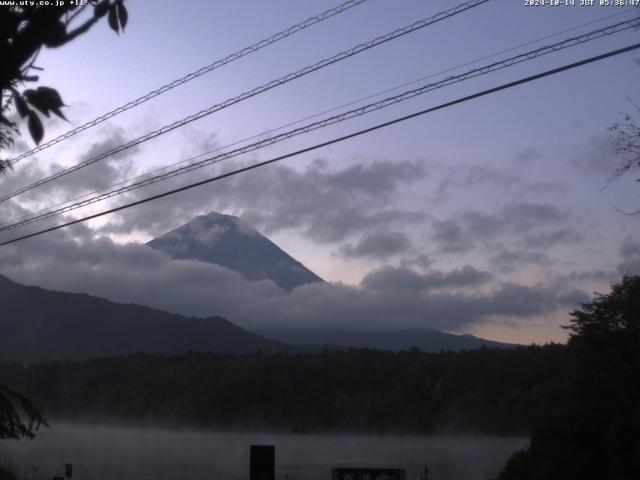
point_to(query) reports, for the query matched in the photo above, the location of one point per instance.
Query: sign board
(368, 474)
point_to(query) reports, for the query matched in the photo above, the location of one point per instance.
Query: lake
(105, 452)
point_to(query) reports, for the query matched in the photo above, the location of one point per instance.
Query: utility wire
(333, 109)
(324, 112)
(146, 180)
(256, 91)
(195, 74)
(333, 141)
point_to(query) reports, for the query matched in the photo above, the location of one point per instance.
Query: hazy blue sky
(489, 217)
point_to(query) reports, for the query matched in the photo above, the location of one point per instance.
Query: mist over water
(101, 452)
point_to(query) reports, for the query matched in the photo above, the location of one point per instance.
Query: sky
(492, 217)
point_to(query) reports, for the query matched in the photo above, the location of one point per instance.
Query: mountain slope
(39, 324)
(400, 339)
(228, 241)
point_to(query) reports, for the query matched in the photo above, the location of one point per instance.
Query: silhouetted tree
(625, 135)
(597, 433)
(24, 31)
(18, 417)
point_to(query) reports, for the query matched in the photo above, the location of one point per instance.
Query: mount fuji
(232, 243)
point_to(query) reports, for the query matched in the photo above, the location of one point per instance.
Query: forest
(487, 390)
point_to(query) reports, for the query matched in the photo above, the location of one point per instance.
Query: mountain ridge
(228, 241)
(40, 324)
(425, 339)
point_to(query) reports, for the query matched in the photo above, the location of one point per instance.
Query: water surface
(102, 452)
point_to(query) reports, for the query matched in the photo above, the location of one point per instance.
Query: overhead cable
(146, 180)
(256, 91)
(193, 75)
(331, 142)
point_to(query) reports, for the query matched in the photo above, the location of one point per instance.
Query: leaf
(101, 9)
(21, 106)
(35, 127)
(113, 19)
(57, 111)
(53, 32)
(123, 16)
(51, 95)
(50, 98)
(37, 101)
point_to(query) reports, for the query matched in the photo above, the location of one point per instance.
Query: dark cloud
(101, 174)
(419, 261)
(630, 253)
(325, 204)
(450, 237)
(527, 156)
(482, 177)
(475, 176)
(95, 177)
(511, 260)
(403, 280)
(630, 248)
(470, 227)
(377, 245)
(519, 216)
(514, 217)
(74, 260)
(567, 235)
(597, 157)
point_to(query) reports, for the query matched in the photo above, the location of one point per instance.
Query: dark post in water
(262, 462)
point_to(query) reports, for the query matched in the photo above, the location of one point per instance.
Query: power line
(258, 90)
(146, 180)
(195, 74)
(368, 97)
(333, 141)
(333, 109)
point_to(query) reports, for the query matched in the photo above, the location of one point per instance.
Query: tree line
(488, 390)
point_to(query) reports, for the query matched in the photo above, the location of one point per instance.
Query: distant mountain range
(39, 324)
(228, 241)
(425, 339)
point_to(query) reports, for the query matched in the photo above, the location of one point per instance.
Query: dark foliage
(625, 135)
(24, 31)
(488, 390)
(18, 417)
(597, 433)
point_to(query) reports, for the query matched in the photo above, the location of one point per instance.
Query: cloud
(630, 253)
(511, 260)
(567, 235)
(377, 245)
(75, 260)
(596, 157)
(95, 177)
(527, 156)
(466, 177)
(468, 228)
(402, 280)
(513, 217)
(324, 204)
(450, 237)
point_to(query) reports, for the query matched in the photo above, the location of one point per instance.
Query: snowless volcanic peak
(232, 243)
